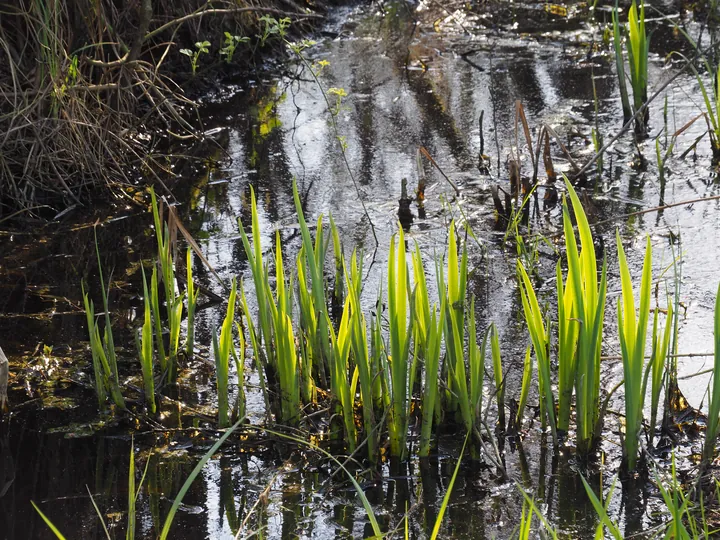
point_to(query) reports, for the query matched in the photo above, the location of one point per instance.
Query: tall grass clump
(633, 333)
(713, 421)
(397, 364)
(638, 46)
(535, 320)
(452, 284)
(314, 260)
(173, 300)
(102, 345)
(261, 335)
(589, 301)
(581, 310)
(284, 341)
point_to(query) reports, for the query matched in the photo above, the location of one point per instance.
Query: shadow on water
(407, 86)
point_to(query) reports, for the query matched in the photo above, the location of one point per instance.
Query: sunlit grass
(223, 347)
(633, 333)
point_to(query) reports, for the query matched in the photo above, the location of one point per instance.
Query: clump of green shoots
(102, 346)
(397, 364)
(581, 310)
(173, 300)
(284, 341)
(633, 333)
(367, 371)
(638, 46)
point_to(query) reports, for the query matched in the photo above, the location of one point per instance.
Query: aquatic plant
(157, 317)
(173, 301)
(145, 349)
(638, 46)
(284, 341)
(497, 369)
(342, 392)
(201, 47)
(396, 365)
(589, 305)
(581, 309)
(192, 298)
(102, 346)
(633, 333)
(320, 347)
(367, 372)
(430, 388)
(713, 418)
(452, 283)
(660, 350)
(601, 509)
(524, 388)
(264, 356)
(223, 348)
(230, 44)
(534, 318)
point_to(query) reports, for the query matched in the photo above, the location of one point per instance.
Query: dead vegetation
(90, 93)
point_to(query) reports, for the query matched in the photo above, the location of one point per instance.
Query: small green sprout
(201, 47)
(231, 43)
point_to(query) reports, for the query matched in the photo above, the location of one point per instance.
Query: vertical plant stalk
(661, 347)
(620, 66)
(713, 421)
(568, 330)
(192, 298)
(525, 388)
(222, 349)
(173, 301)
(498, 371)
(146, 350)
(638, 50)
(361, 355)
(155, 305)
(108, 343)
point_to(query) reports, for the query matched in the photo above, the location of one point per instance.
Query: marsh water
(414, 76)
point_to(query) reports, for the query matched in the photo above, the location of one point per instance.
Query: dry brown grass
(88, 91)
